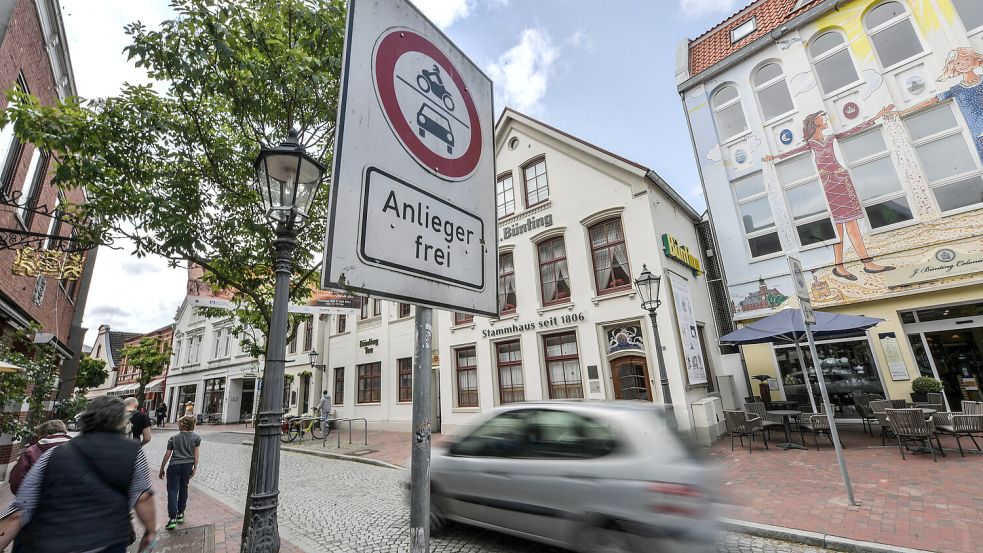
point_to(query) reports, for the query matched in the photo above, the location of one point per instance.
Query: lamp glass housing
(287, 180)
(648, 287)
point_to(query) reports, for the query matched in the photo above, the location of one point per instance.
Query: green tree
(150, 357)
(33, 385)
(91, 373)
(169, 169)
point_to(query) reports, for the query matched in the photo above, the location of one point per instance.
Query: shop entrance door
(631, 378)
(947, 341)
(248, 395)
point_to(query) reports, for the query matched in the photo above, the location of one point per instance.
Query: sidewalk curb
(338, 456)
(814, 539)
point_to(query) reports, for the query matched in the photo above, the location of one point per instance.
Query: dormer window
(743, 30)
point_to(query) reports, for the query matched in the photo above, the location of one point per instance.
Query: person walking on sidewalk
(51, 434)
(182, 454)
(139, 426)
(161, 415)
(78, 496)
(324, 409)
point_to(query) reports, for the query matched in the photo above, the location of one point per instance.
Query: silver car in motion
(588, 476)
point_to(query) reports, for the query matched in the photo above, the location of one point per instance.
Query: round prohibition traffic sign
(427, 104)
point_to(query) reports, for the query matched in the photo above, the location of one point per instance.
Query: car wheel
(438, 522)
(595, 539)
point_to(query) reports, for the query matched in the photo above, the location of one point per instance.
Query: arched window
(892, 34)
(971, 12)
(728, 113)
(772, 91)
(833, 63)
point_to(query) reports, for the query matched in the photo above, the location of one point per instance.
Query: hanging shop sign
(50, 263)
(548, 322)
(625, 338)
(944, 263)
(674, 250)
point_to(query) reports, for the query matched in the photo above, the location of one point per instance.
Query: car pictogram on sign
(428, 118)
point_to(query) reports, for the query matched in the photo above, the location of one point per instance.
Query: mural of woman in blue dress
(968, 93)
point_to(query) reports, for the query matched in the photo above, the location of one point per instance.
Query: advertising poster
(892, 351)
(696, 372)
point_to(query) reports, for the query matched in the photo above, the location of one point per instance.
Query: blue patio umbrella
(787, 327)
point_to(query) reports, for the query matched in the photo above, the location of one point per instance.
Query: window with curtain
(728, 113)
(376, 308)
(505, 195)
(466, 369)
(553, 273)
(947, 157)
(876, 179)
(405, 377)
(834, 64)
(369, 382)
(342, 324)
(339, 386)
(463, 318)
(509, 358)
(771, 88)
(757, 220)
(892, 33)
(537, 189)
(364, 309)
(309, 334)
(971, 12)
(609, 255)
(506, 284)
(563, 366)
(806, 199)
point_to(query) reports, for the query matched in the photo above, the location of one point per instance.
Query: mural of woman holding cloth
(841, 195)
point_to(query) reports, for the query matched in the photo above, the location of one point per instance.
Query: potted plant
(922, 386)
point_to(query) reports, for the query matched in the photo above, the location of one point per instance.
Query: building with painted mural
(576, 224)
(849, 134)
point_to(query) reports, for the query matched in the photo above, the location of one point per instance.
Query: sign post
(802, 291)
(412, 213)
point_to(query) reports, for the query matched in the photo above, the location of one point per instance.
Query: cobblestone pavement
(345, 507)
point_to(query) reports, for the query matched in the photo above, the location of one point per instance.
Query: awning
(123, 389)
(6, 367)
(154, 386)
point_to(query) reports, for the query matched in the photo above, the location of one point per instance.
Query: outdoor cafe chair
(818, 425)
(960, 425)
(862, 403)
(972, 407)
(741, 423)
(877, 408)
(910, 425)
(768, 422)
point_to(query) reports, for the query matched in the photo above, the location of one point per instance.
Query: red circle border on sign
(390, 49)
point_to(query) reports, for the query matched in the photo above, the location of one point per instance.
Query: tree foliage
(150, 356)
(91, 373)
(169, 168)
(34, 385)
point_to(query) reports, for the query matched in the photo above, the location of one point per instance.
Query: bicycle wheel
(289, 432)
(317, 430)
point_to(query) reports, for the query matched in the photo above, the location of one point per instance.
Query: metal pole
(805, 374)
(663, 377)
(260, 532)
(834, 435)
(420, 461)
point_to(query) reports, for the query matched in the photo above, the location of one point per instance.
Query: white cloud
(580, 39)
(445, 12)
(523, 72)
(700, 8)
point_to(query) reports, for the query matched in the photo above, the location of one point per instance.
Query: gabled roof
(715, 45)
(596, 151)
(116, 341)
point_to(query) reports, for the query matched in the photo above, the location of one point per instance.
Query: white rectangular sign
(412, 215)
(801, 290)
(696, 372)
(309, 309)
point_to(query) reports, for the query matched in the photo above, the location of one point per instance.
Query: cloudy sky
(599, 69)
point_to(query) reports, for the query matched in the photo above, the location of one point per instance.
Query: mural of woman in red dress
(841, 195)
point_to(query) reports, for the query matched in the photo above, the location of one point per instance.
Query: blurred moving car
(589, 476)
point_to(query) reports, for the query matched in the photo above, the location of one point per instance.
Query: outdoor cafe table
(787, 415)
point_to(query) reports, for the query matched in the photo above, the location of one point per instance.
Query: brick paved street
(340, 506)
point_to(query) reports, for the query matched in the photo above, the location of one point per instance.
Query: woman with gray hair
(50, 434)
(77, 497)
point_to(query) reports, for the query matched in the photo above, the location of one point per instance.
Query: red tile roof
(715, 45)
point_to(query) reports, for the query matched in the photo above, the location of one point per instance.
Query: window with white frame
(834, 64)
(728, 113)
(537, 187)
(505, 195)
(806, 199)
(892, 33)
(743, 30)
(177, 350)
(32, 186)
(971, 12)
(11, 148)
(876, 179)
(194, 348)
(771, 88)
(948, 160)
(757, 220)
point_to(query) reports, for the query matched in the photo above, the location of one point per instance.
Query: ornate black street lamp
(287, 180)
(314, 355)
(648, 287)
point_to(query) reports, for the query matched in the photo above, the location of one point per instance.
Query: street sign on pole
(412, 214)
(809, 319)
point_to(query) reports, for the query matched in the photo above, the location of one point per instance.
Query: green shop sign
(680, 253)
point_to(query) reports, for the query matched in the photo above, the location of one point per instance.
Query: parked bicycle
(293, 427)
